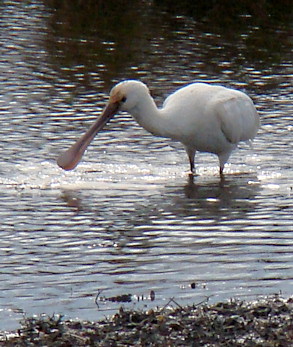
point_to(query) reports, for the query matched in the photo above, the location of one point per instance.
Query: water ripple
(129, 220)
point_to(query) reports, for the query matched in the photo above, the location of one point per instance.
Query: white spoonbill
(203, 117)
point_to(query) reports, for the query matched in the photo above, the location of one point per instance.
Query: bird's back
(238, 116)
(207, 108)
(195, 94)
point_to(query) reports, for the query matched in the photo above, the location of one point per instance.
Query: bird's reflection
(204, 195)
(232, 194)
(72, 200)
(233, 185)
(194, 189)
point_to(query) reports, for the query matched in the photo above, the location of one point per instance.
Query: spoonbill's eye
(123, 99)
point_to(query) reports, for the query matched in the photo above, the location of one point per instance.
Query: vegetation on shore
(265, 322)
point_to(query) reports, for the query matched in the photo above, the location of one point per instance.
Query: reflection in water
(231, 199)
(128, 220)
(72, 201)
(220, 193)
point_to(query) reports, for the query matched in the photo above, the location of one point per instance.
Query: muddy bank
(266, 322)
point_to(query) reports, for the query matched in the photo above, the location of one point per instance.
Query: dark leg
(222, 177)
(191, 154)
(191, 161)
(223, 158)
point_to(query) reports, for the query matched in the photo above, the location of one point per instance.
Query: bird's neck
(150, 117)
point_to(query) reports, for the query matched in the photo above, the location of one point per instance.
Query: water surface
(128, 220)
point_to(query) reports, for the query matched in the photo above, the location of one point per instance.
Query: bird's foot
(191, 173)
(222, 176)
(221, 171)
(190, 177)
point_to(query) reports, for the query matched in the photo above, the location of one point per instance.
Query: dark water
(127, 220)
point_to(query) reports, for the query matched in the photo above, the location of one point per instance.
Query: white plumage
(203, 117)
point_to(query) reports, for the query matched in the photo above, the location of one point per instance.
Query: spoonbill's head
(125, 96)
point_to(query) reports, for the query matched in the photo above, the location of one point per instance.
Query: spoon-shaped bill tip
(70, 158)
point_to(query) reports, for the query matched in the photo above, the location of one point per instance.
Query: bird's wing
(239, 120)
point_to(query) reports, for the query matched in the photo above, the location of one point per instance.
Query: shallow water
(128, 220)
